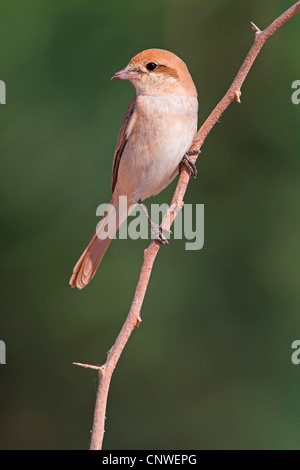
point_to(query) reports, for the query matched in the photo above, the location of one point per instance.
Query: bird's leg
(186, 161)
(155, 228)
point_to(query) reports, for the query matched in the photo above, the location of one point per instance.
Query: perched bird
(156, 132)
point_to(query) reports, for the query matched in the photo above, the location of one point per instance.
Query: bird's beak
(124, 74)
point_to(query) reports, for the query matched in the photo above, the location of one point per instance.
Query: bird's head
(158, 72)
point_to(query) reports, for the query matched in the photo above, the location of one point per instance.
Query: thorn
(238, 95)
(256, 29)
(88, 366)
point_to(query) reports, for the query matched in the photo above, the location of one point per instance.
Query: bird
(156, 133)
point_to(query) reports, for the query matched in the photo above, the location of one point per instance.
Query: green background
(210, 365)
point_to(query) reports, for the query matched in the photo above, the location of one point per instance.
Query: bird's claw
(158, 233)
(156, 229)
(186, 161)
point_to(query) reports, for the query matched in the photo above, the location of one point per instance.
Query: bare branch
(133, 319)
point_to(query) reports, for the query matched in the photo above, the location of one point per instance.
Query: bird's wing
(125, 131)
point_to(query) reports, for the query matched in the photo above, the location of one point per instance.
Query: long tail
(90, 259)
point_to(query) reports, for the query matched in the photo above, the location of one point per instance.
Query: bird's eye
(151, 66)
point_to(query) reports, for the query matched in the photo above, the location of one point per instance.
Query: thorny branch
(133, 319)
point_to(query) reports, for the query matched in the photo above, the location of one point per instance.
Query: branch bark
(133, 319)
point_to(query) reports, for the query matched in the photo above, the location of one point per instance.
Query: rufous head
(158, 72)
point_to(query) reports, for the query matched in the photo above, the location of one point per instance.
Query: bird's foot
(187, 163)
(158, 233)
(156, 229)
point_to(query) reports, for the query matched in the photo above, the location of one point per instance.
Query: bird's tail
(90, 259)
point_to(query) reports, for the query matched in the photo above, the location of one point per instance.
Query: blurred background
(210, 366)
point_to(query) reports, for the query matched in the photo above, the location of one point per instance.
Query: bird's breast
(159, 118)
(160, 132)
